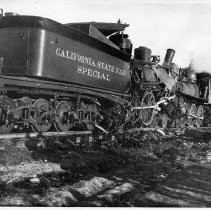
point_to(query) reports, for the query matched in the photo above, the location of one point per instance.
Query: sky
(184, 25)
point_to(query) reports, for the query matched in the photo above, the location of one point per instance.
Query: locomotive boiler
(82, 76)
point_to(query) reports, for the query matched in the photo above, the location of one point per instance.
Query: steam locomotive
(82, 76)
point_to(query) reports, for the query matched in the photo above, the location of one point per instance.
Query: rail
(18, 136)
(44, 134)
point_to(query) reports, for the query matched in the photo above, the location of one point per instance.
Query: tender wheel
(64, 116)
(7, 107)
(41, 116)
(91, 118)
(200, 116)
(192, 113)
(147, 115)
(25, 102)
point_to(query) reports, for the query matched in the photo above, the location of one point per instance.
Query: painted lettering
(69, 55)
(91, 73)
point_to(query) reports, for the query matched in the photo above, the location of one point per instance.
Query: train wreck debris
(88, 85)
(198, 134)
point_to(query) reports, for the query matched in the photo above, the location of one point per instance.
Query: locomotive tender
(81, 76)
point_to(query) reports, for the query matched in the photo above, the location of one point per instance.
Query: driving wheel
(147, 114)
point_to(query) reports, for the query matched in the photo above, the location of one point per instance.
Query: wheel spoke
(191, 115)
(42, 119)
(200, 116)
(147, 115)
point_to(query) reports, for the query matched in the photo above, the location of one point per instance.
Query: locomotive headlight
(193, 76)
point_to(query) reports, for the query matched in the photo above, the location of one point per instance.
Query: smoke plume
(201, 61)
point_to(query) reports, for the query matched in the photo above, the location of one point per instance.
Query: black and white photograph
(105, 103)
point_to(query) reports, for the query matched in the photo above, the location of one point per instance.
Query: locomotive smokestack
(168, 58)
(1, 12)
(142, 54)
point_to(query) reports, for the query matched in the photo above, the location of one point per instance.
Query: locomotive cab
(203, 81)
(121, 40)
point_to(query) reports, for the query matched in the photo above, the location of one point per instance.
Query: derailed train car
(82, 76)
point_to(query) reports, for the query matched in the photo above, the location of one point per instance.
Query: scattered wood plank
(132, 130)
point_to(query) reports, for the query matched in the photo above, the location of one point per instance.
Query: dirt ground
(155, 172)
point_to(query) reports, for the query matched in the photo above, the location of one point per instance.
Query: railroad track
(44, 134)
(77, 136)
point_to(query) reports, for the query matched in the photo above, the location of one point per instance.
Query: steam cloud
(201, 61)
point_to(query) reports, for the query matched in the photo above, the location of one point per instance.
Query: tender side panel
(56, 57)
(13, 51)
